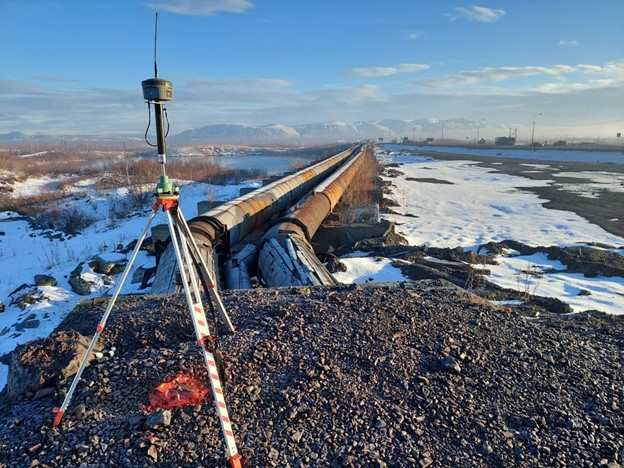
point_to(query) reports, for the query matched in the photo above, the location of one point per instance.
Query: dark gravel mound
(411, 374)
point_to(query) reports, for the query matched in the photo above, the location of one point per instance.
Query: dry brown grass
(32, 204)
(110, 167)
(194, 169)
(70, 220)
(144, 171)
(363, 183)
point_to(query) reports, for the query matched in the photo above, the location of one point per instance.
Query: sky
(76, 66)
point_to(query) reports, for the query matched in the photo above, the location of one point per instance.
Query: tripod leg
(100, 328)
(209, 283)
(202, 331)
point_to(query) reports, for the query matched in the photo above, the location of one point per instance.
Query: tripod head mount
(166, 188)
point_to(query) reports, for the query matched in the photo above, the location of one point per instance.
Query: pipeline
(285, 255)
(239, 217)
(237, 268)
(229, 223)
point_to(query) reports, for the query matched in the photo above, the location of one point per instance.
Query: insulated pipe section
(237, 268)
(285, 256)
(239, 217)
(325, 197)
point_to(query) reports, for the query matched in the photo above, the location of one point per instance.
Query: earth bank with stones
(408, 374)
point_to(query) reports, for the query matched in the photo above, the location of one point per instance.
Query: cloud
(503, 73)
(416, 35)
(388, 71)
(258, 90)
(567, 42)
(476, 13)
(201, 7)
(33, 106)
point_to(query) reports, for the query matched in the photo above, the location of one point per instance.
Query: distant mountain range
(21, 136)
(325, 132)
(388, 129)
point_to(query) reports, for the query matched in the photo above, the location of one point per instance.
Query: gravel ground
(408, 374)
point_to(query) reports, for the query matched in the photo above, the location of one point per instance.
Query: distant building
(505, 141)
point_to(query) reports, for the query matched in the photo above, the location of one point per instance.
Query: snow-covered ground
(364, 269)
(25, 252)
(476, 207)
(465, 205)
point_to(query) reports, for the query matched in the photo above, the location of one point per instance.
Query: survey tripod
(192, 269)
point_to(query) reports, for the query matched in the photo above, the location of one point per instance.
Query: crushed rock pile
(406, 374)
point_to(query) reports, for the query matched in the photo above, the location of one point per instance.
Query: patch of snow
(30, 186)
(369, 270)
(535, 166)
(480, 206)
(525, 274)
(512, 302)
(40, 153)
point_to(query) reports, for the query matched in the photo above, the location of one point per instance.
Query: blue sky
(75, 66)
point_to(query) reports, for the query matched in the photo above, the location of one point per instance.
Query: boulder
(45, 280)
(158, 419)
(137, 275)
(101, 266)
(79, 283)
(29, 322)
(44, 362)
(334, 265)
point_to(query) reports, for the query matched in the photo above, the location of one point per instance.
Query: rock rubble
(407, 374)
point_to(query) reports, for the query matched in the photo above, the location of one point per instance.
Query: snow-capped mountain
(327, 131)
(240, 133)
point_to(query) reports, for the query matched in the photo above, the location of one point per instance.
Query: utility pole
(533, 131)
(478, 127)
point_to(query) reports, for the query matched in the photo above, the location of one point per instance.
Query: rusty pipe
(285, 255)
(231, 222)
(242, 215)
(324, 198)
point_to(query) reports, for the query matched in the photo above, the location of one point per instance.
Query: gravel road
(407, 374)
